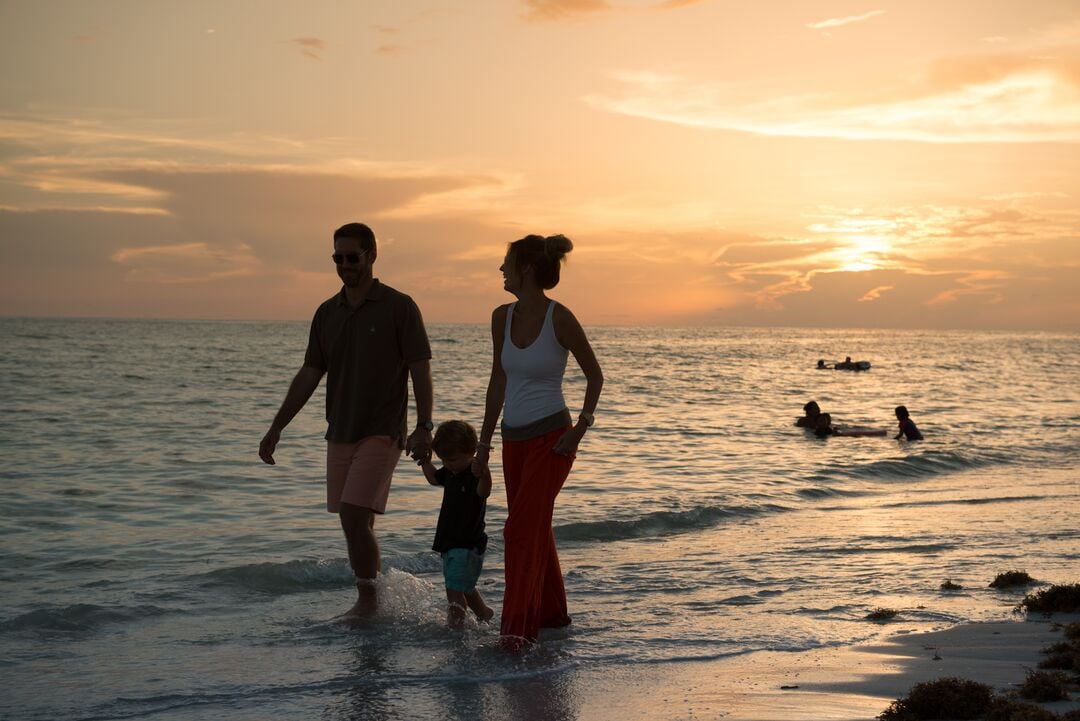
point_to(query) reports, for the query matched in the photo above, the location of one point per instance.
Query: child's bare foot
(484, 614)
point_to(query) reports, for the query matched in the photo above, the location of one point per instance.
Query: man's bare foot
(367, 601)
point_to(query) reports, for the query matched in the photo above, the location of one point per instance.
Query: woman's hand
(568, 442)
(480, 462)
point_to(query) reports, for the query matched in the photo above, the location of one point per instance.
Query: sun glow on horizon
(864, 252)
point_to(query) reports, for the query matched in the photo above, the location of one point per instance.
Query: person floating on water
(459, 536)
(368, 340)
(907, 426)
(825, 428)
(809, 420)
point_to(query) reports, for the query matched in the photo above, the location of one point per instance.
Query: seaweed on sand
(946, 698)
(1045, 686)
(1064, 598)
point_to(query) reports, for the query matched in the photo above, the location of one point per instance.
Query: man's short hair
(359, 231)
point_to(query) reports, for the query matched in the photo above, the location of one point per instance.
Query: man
(368, 339)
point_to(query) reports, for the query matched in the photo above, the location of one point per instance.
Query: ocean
(152, 567)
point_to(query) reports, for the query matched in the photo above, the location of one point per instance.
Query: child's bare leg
(476, 603)
(455, 614)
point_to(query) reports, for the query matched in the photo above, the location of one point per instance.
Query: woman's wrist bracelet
(485, 446)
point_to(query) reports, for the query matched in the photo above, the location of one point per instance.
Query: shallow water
(151, 566)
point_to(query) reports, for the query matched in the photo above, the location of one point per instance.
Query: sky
(909, 164)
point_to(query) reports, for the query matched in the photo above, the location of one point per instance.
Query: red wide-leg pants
(535, 596)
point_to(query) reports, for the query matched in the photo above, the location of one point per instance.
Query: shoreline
(837, 684)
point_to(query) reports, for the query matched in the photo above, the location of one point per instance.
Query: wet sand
(835, 683)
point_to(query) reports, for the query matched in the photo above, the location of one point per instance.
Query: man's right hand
(268, 444)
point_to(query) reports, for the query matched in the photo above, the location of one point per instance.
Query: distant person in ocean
(825, 428)
(368, 339)
(846, 365)
(810, 418)
(459, 536)
(907, 426)
(531, 340)
(821, 364)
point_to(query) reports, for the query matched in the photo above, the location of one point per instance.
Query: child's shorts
(461, 569)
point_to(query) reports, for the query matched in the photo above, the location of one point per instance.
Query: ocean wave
(298, 576)
(859, 549)
(964, 501)
(78, 617)
(660, 523)
(280, 578)
(919, 465)
(826, 492)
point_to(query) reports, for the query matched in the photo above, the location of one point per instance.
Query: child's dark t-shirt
(461, 518)
(910, 431)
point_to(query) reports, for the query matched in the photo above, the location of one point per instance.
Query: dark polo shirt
(366, 352)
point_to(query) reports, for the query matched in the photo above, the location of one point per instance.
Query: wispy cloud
(551, 10)
(187, 263)
(562, 9)
(311, 47)
(847, 20)
(925, 256)
(999, 98)
(875, 293)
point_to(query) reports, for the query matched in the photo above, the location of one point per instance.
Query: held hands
(268, 444)
(480, 463)
(418, 444)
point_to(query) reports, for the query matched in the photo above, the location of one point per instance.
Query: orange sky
(881, 164)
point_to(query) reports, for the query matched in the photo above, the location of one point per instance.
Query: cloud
(875, 293)
(186, 263)
(996, 98)
(838, 22)
(541, 10)
(311, 47)
(553, 10)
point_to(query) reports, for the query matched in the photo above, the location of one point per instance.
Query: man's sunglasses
(351, 258)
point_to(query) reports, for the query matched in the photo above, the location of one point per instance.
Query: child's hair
(454, 437)
(545, 255)
(901, 412)
(812, 408)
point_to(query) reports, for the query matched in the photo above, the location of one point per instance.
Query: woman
(531, 338)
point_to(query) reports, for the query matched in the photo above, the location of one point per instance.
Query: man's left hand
(418, 444)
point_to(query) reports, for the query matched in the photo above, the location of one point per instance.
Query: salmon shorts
(359, 473)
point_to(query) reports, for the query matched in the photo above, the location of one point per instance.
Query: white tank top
(534, 374)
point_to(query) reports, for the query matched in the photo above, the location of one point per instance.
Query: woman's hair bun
(556, 246)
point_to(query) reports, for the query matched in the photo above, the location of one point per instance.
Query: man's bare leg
(359, 526)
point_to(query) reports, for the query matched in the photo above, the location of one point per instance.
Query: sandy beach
(836, 683)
